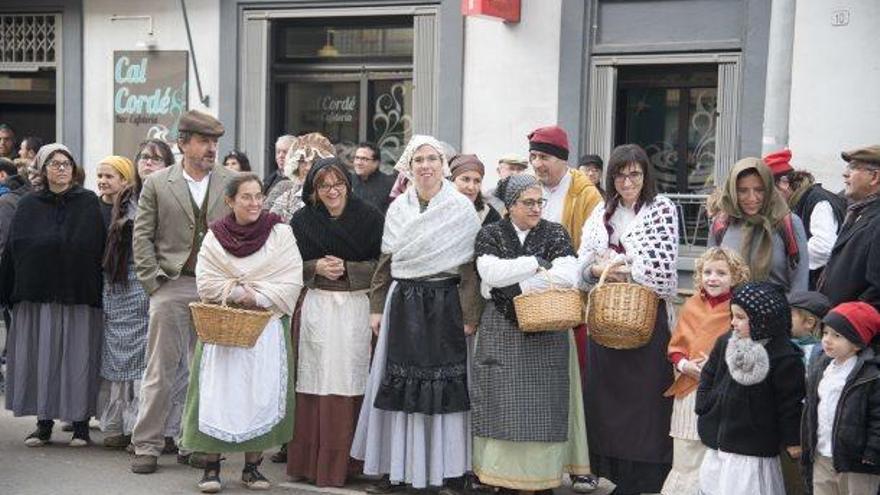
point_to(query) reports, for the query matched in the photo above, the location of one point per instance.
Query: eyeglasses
(423, 159)
(325, 188)
(532, 204)
(633, 177)
(150, 158)
(59, 165)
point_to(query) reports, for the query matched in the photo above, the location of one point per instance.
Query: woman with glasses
(467, 173)
(414, 425)
(520, 382)
(634, 235)
(50, 276)
(339, 237)
(286, 197)
(241, 399)
(757, 223)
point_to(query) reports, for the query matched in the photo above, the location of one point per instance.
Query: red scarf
(244, 240)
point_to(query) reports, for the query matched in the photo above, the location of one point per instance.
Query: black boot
(210, 482)
(80, 434)
(280, 457)
(252, 478)
(41, 435)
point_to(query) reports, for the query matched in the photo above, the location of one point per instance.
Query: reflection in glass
(389, 118)
(331, 108)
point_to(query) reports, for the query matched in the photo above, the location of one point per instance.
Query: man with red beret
(853, 271)
(819, 209)
(570, 198)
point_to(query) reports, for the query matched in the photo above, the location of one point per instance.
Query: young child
(749, 397)
(807, 311)
(841, 424)
(704, 317)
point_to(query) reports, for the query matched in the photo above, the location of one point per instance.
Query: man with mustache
(175, 207)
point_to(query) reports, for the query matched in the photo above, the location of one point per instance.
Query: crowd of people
(394, 347)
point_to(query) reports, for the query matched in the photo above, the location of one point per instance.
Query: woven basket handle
(546, 274)
(607, 270)
(227, 291)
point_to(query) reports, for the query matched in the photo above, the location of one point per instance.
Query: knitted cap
(551, 140)
(814, 302)
(510, 188)
(859, 322)
(779, 162)
(466, 163)
(768, 310)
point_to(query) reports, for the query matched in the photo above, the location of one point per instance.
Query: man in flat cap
(507, 165)
(175, 207)
(853, 271)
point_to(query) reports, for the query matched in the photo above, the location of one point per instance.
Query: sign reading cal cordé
(149, 95)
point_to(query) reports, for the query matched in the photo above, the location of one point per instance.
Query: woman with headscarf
(520, 383)
(50, 276)
(466, 172)
(286, 196)
(340, 237)
(126, 306)
(414, 425)
(755, 221)
(241, 399)
(633, 235)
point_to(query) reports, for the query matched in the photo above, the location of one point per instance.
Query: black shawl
(54, 250)
(355, 235)
(548, 240)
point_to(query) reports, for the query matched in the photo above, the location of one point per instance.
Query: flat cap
(868, 154)
(200, 123)
(515, 160)
(814, 302)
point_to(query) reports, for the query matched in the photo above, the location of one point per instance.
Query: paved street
(59, 469)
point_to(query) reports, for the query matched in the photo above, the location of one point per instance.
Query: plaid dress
(126, 308)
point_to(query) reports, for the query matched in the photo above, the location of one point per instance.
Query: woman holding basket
(241, 399)
(633, 236)
(520, 386)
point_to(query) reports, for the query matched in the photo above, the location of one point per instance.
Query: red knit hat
(859, 322)
(779, 162)
(551, 140)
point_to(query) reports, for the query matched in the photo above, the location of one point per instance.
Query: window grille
(29, 42)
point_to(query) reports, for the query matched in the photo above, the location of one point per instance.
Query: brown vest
(201, 228)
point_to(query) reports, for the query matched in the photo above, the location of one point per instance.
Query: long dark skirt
(426, 366)
(53, 360)
(627, 415)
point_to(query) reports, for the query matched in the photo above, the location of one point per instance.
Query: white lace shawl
(650, 241)
(437, 240)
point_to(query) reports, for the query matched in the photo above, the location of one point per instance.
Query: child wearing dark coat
(749, 398)
(841, 424)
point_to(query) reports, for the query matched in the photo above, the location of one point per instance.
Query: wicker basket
(228, 326)
(550, 309)
(621, 315)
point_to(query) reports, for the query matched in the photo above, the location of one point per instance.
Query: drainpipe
(777, 100)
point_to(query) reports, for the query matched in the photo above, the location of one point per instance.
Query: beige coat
(163, 229)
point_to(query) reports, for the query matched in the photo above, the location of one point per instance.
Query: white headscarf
(404, 164)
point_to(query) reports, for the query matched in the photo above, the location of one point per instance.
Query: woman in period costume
(286, 197)
(520, 384)
(636, 234)
(126, 307)
(756, 222)
(339, 237)
(414, 425)
(467, 172)
(242, 399)
(51, 278)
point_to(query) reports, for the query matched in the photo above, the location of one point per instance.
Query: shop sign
(506, 10)
(149, 95)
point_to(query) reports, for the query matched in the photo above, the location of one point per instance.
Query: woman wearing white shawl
(414, 424)
(242, 399)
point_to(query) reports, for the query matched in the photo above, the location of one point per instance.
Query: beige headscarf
(760, 227)
(310, 147)
(404, 163)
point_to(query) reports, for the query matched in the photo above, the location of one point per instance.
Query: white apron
(334, 343)
(243, 392)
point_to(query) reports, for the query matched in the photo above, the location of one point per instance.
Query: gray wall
(70, 108)
(450, 48)
(663, 26)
